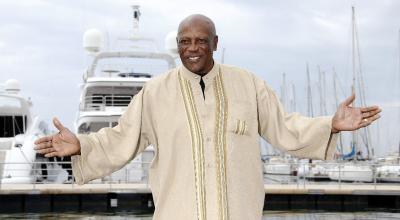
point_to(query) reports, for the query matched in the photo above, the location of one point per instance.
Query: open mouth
(194, 58)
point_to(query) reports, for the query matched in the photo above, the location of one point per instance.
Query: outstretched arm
(64, 143)
(101, 153)
(348, 118)
(300, 136)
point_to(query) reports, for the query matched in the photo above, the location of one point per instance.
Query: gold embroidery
(220, 146)
(237, 126)
(244, 127)
(197, 146)
(241, 127)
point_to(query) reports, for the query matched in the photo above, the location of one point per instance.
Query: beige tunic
(207, 163)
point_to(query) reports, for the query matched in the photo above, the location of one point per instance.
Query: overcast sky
(41, 46)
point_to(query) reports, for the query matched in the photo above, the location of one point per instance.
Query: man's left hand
(348, 118)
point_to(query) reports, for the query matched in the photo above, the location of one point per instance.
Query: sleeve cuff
(77, 161)
(331, 146)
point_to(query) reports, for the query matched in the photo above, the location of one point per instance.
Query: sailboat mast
(353, 43)
(284, 95)
(310, 111)
(398, 86)
(223, 55)
(294, 98)
(321, 98)
(358, 78)
(353, 87)
(337, 105)
(367, 132)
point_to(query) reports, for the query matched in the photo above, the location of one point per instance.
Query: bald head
(198, 20)
(197, 41)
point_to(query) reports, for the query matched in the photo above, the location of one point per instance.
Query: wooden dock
(141, 188)
(333, 189)
(135, 188)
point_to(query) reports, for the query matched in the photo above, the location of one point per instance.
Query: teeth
(194, 58)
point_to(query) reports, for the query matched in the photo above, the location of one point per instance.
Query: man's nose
(194, 46)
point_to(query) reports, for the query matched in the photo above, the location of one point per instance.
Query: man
(204, 120)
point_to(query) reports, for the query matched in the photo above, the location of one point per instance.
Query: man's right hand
(64, 143)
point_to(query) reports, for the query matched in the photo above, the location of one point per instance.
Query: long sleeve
(300, 136)
(110, 149)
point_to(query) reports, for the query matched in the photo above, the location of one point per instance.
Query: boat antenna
(136, 15)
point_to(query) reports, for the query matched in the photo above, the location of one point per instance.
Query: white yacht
(389, 173)
(316, 170)
(111, 81)
(18, 130)
(280, 165)
(388, 168)
(352, 172)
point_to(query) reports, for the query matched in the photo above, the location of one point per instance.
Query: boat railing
(102, 102)
(303, 175)
(48, 172)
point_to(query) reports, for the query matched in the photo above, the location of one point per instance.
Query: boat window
(99, 97)
(112, 100)
(12, 125)
(94, 126)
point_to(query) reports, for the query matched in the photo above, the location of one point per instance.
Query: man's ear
(215, 42)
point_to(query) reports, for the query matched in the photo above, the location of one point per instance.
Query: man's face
(196, 45)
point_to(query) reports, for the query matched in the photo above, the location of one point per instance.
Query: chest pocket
(242, 118)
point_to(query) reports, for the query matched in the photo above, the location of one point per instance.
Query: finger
(370, 108)
(373, 118)
(58, 124)
(371, 113)
(44, 139)
(366, 122)
(43, 146)
(46, 151)
(349, 100)
(52, 154)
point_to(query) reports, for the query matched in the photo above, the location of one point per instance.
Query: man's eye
(202, 41)
(184, 42)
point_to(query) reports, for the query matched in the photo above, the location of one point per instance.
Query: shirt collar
(196, 78)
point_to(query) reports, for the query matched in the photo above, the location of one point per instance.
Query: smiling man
(197, 40)
(204, 120)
